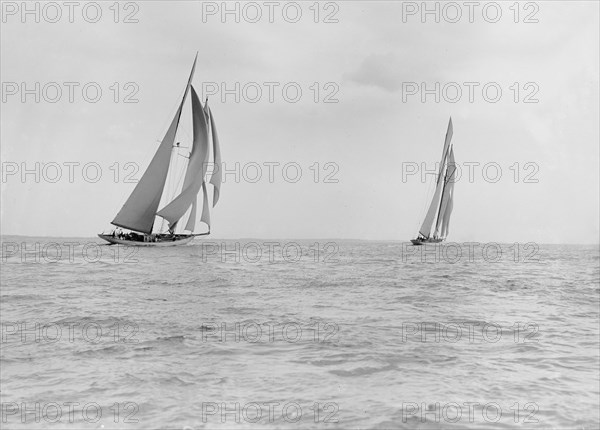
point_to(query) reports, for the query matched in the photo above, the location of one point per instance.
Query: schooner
(440, 208)
(139, 212)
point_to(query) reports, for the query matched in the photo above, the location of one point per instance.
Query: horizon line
(2, 235)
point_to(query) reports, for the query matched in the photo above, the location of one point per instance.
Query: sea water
(298, 334)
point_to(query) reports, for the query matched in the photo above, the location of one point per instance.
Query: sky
(360, 132)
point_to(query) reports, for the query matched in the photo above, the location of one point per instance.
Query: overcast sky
(376, 129)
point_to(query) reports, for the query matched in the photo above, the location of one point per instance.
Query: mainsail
(434, 207)
(139, 210)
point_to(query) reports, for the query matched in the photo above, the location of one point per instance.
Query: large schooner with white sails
(440, 208)
(139, 212)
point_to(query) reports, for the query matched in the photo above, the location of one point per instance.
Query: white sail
(448, 212)
(447, 140)
(205, 218)
(196, 166)
(215, 178)
(191, 222)
(139, 210)
(447, 197)
(425, 229)
(199, 152)
(217, 174)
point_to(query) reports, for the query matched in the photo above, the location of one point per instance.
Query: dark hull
(166, 241)
(423, 241)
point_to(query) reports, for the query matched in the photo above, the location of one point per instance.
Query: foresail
(139, 210)
(196, 167)
(191, 222)
(217, 174)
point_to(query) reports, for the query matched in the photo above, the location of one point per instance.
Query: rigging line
(171, 190)
(180, 135)
(165, 125)
(167, 192)
(175, 106)
(188, 135)
(437, 220)
(180, 111)
(179, 182)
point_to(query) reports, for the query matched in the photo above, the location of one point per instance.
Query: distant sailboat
(440, 208)
(141, 208)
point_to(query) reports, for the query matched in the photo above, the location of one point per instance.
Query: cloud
(378, 71)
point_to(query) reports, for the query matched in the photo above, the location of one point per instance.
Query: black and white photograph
(300, 214)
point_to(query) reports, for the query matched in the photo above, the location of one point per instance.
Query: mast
(187, 89)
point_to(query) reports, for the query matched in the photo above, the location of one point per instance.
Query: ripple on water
(378, 335)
